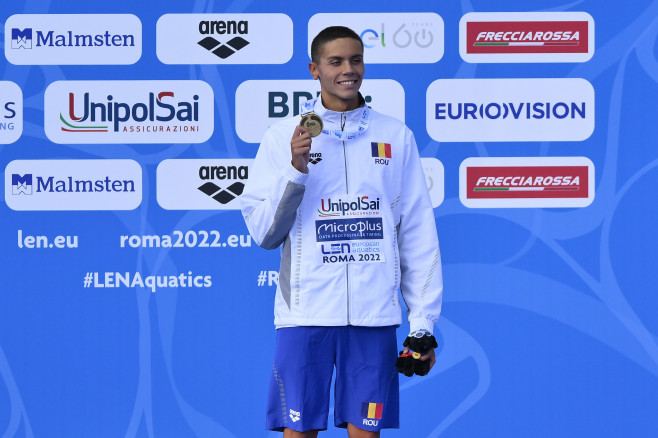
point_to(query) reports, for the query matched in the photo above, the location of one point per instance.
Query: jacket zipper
(343, 119)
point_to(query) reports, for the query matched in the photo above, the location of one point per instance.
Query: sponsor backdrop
(135, 304)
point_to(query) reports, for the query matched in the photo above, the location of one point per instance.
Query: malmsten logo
(23, 185)
(223, 27)
(226, 195)
(23, 39)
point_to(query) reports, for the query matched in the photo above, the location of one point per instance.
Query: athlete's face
(340, 70)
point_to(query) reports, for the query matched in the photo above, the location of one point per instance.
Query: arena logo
(224, 38)
(73, 39)
(510, 109)
(11, 112)
(260, 103)
(223, 196)
(526, 182)
(201, 184)
(526, 37)
(390, 37)
(73, 184)
(315, 157)
(223, 27)
(129, 111)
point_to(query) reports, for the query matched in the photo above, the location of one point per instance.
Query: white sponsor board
(484, 110)
(526, 182)
(224, 38)
(73, 39)
(11, 112)
(260, 103)
(526, 37)
(129, 111)
(73, 184)
(434, 177)
(389, 38)
(201, 184)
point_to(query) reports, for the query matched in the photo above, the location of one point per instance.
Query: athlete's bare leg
(355, 432)
(289, 433)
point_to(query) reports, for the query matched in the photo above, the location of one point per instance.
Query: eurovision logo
(74, 39)
(11, 112)
(393, 38)
(224, 38)
(259, 103)
(129, 111)
(522, 182)
(510, 110)
(73, 184)
(526, 37)
(201, 184)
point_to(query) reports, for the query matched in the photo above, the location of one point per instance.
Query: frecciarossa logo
(527, 182)
(526, 37)
(129, 111)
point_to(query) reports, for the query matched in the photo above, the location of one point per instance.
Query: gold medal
(416, 355)
(312, 122)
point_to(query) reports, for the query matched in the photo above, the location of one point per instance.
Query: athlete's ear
(313, 68)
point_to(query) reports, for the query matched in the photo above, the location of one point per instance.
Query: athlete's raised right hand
(300, 148)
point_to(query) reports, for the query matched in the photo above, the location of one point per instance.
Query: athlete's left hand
(429, 356)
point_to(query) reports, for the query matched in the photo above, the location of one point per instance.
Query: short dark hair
(329, 34)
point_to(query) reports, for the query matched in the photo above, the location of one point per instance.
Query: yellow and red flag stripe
(381, 150)
(372, 410)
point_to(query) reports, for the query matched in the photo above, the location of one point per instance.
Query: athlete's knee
(356, 432)
(289, 433)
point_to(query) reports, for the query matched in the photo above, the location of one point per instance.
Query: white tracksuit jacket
(354, 230)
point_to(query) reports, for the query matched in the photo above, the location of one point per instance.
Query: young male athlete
(345, 198)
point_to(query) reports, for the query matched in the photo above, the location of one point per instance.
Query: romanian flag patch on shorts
(372, 410)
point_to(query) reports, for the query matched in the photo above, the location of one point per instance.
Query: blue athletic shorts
(366, 391)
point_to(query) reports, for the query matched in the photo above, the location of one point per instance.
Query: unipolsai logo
(160, 106)
(129, 111)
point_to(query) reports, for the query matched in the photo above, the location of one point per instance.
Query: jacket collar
(346, 124)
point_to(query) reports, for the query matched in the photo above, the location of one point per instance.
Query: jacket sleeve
(420, 259)
(273, 193)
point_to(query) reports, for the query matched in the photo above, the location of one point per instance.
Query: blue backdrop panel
(549, 325)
